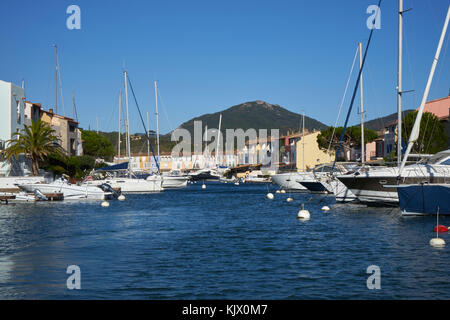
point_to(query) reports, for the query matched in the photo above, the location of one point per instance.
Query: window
(18, 112)
(72, 147)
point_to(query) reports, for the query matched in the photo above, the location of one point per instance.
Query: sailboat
(425, 197)
(380, 185)
(207, 173)
(174, 178)
(328, 181)
(122, 176)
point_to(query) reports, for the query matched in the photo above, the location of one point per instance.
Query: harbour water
(225, 242)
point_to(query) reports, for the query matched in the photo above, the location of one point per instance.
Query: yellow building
(313, 154)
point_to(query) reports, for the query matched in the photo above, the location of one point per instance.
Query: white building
(12, 120)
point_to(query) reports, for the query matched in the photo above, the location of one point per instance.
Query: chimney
(50, 110)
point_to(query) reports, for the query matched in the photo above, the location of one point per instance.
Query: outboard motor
(40, 195)
(107, 188)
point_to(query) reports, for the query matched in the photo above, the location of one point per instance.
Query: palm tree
(37, 142)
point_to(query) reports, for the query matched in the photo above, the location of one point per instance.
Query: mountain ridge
(257, 115)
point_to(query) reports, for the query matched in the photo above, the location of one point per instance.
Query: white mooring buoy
(303, 214)
(283, 191)
(105, 204)
(325, 208)
(203, 186)
(278, 191)
(270, 196)
(121, 197)
(437, 242)
(289, 199)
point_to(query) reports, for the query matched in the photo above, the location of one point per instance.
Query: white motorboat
(326, 181)
(174, 179)
(69, 191)
(292, 180)
(370, 185)
(336, 187)
(152, 183)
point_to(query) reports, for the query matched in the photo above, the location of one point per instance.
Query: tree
(96, 145)
(37, 142)
(432, 136)
(352, 138)
(79, 166)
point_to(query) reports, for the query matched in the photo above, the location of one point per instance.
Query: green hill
(380, 123)
(257, 115)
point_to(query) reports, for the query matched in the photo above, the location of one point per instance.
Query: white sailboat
(425, 197)
(173, 179)
(127, 183)
(379, 185)
(207, 173)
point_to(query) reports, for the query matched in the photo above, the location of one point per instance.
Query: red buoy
(440, 228)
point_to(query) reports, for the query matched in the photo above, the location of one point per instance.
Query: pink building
(439, 107)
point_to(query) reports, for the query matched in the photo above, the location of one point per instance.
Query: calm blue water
(225, 242)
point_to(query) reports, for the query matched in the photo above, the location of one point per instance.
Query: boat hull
(374, 189)
(70, 192)
(129, 185)
(424, 199)
(314, 186)
(290, 180)
(207, 175)
(338, 189)
(174, 182)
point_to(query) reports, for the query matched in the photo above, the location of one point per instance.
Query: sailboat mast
(56, 81)
(148, 143)
(416, 129)
(363, 145)
(399, 82)
(218, 141)
(157, 120)
(118, 142)
(128, 122)
(206, 147)
(303, 141)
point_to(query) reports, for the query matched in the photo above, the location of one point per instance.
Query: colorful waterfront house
(32, 112)
(12, 109)
(441, 108)
(256, 151)
(313, 155)
(288, 149)
(67, 130)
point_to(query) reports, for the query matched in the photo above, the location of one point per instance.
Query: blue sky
(210, 55)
